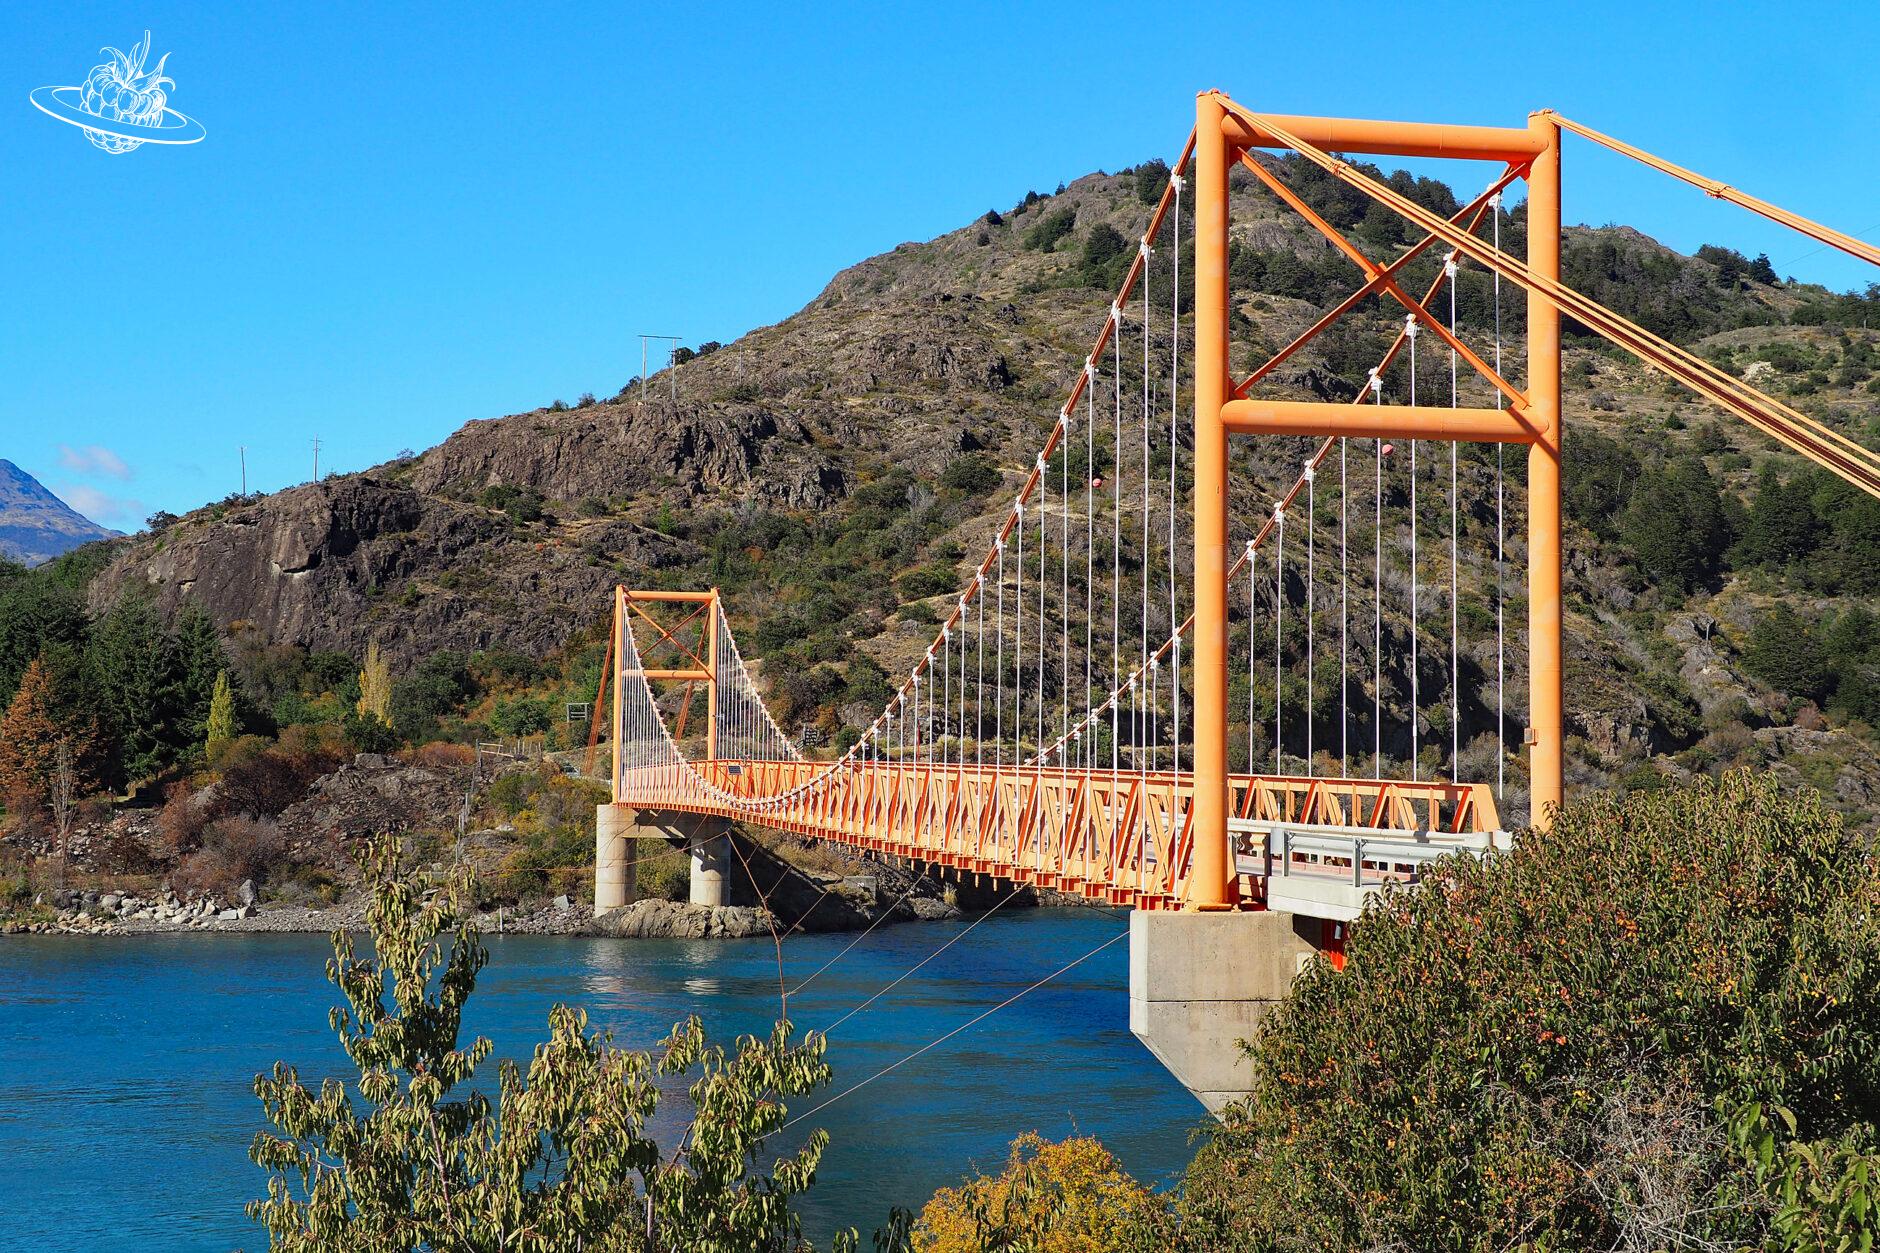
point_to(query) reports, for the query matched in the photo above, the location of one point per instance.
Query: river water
(125, 1063)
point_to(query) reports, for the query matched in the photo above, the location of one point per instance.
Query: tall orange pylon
(1225, 133)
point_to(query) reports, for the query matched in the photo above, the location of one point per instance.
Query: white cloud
(102, 507)
(95, 460)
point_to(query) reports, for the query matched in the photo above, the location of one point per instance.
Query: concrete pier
(1199, 983)
(613, 866)
(706, 838)
(710, 846)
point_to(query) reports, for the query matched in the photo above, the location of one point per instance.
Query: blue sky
(404, 217)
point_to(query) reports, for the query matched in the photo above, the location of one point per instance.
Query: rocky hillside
(806, 469)
(35, 525)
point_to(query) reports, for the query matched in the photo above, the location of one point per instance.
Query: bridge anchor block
(1199, 983)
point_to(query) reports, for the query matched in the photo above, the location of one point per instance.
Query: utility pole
(672, 351)
(316, 458)
(242, 449)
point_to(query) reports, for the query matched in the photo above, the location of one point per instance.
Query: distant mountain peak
(35, 525)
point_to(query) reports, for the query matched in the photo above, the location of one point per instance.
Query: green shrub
(1050, 229)
(1517, 1048)
(974, 474)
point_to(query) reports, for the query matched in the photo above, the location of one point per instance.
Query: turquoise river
(126, 1062)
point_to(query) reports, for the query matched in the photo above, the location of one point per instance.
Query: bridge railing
(1119, 836)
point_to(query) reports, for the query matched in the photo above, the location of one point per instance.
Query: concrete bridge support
(709, 842)
(617, 827)
(1199, 983)
(613, 865)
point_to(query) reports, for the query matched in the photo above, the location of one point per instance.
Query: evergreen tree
(1781, 526)
(200, 662)
(1785, 653)
(131, 664)
(1677, 524)
(35, 612)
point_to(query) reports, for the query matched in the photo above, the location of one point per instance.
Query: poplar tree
(219, 728)
(375, 686)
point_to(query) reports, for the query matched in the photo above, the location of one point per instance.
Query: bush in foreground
(1579, 1045)
(414, 1155)
(1071, 1196)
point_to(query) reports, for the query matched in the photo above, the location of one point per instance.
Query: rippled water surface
(125, 1064)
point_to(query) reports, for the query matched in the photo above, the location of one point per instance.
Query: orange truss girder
(1118, 836)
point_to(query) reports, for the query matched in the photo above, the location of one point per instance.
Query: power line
(973, 1021)
(923, 961)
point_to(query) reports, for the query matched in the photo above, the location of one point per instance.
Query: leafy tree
(524, 715)
(440, 684)
(219, 726)
(411, 1155)
(1524, 1050)
(1067, 1197)
(1051, 228)
(1104, 257)
(44, 714)
(1762, 271)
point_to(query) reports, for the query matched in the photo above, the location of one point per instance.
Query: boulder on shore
(679, 920)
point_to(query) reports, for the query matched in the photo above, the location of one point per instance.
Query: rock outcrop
(336, 564)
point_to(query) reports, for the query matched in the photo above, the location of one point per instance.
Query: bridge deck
(1122, 837)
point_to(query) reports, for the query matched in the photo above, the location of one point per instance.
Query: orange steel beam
(1723, 191)
(1125, 838)
(1538, 409)
(617, 718)
(1398, 139)
(711, 664)
(677, 598)
(690, 676)
(1802, 434)
(600, 702)
(1546, 737)
(1211, 886)
(671, 636)
(1377, 274)
(1304, 417)
(1467, 217)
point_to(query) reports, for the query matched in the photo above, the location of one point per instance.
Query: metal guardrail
(1328, 871)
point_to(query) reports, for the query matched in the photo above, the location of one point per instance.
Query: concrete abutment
(1199, 983)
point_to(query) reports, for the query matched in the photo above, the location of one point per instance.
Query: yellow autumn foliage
(1071, 1196)
(375, 686)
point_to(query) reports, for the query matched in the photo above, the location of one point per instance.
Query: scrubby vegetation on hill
(833, 475)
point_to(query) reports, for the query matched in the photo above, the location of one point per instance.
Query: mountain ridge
(809, 468)
(35, 525)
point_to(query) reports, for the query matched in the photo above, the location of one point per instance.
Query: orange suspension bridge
(1156, 700)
